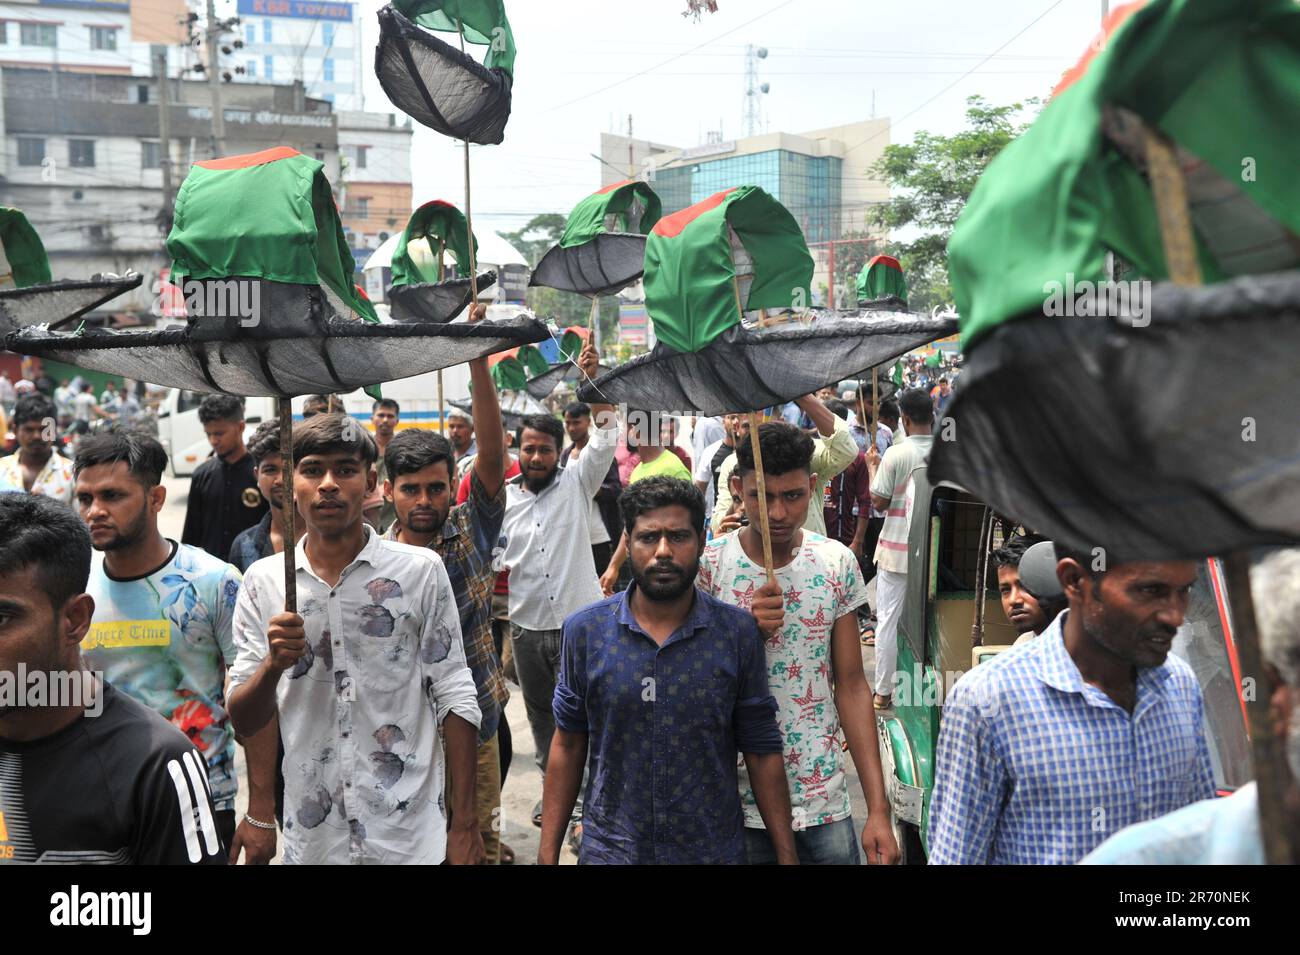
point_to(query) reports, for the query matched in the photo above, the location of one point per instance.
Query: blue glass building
(809, 186)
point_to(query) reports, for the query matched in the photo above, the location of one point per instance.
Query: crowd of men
(691, 699)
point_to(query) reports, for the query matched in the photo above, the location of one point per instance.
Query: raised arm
(490, 463)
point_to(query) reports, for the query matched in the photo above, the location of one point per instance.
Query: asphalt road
(523, 785)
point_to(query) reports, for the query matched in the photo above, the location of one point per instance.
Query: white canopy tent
(493, 253)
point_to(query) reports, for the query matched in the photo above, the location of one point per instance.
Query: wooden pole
(765, 532)
(469, 218)
(442, 417)
(981, 577)
(591, 319)
(862, 412)
(290, 507)
(875, 404)
(1272, 776)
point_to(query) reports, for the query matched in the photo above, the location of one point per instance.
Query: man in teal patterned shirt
(161, 632)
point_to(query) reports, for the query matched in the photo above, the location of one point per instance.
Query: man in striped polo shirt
(891, 491)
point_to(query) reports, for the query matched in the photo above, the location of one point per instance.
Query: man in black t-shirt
(224, 499)
(87, 775)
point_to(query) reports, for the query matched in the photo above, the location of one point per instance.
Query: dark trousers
(224, 820)
(874, 526)
(833, 843)
(505, 743)
(537, 662)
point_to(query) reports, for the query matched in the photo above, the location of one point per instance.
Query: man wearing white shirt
(704, 433)
(603, 521)
(362, 676)
(709, 461)
(548, 548)
(833, 451)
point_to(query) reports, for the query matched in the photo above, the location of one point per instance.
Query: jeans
(537, 663)
(834, 843)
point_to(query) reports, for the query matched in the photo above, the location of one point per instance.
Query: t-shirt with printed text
(165, 639)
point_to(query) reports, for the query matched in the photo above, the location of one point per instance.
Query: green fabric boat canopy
(691, 276)
(441, 224)
(633, 203)
(1152, 418)
(29, 297)
(484, 21)
(23, 261)
(512, 372)
(269, 215)
(881, 279)
(1221, 79)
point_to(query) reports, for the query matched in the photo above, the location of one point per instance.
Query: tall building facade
(103, 36)
(823, 177)
(314, 42)
(82, 159)
(375, 192)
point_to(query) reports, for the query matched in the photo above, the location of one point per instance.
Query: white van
(187, 446)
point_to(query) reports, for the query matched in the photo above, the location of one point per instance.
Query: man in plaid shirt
(1055, 745)
(420, 466)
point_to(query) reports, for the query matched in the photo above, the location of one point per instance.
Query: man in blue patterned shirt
(664, 684)
(1057, 744)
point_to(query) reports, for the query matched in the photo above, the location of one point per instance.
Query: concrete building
(103, 36)
(82, 159)
(314, 42)
(823, 177)
(375, 190)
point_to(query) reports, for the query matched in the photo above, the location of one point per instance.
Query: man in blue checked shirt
(664, 685)
(1054, 746)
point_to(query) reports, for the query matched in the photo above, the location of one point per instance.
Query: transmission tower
(753, 88)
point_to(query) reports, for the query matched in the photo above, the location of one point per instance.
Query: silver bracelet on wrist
(258, 824)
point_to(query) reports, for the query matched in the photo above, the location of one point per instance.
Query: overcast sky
(584, 65)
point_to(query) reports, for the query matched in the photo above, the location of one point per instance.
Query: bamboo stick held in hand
(763, 529)
(290, 507)
(1272, 775)
(875, 404)
(442, 413)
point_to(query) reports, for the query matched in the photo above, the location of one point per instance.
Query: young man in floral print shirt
(808, 616)
(161, 632)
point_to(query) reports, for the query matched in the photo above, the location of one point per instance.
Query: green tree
(533, 241)
(537, 236)
(930, 179)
